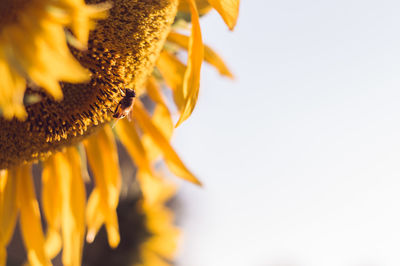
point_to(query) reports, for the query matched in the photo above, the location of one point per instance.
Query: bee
(125, 105)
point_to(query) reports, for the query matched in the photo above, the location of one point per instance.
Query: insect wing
(118, 112)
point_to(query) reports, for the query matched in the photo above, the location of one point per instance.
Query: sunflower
(65, 67)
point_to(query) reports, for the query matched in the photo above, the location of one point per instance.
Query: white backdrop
(300, 155)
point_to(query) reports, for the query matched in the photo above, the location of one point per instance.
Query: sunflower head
(60, 86)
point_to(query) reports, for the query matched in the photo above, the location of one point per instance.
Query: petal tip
(91, 234)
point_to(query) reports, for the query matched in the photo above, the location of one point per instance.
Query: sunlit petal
(154, 92)
(209, 55)
(52, 206)
(159, 220)
(11, 100)
(94, 217)
(30, 222)
(103, 157)
(155, 190)
(228, 9)
(172, 159)
(162, 120)
(202, 6)
(191, 80)
(73, 205)
(173, 72)
(164, 241)
(82, 16)
(8, 210)
(149, 258)
(161, 117)
(130, 139)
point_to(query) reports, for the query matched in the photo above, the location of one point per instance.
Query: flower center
(9, 11)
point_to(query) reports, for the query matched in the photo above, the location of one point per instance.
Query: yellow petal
(202, 6)
(162, 120)
(74, 211)
(83, 15)
(31, 227)
(159, 221)
(51, 202)
(155, 190)
(73, 199)
(52, 206)
(102, 155)
(159, 218)
(8, 210)
(94, 218)
(228, 9)
(154, 92)
(53, 243)
(130, 139)
(172, 159)
(151, 258)
(164, 242)
(210, 56)
(36, 61)
(173, 72)
(12, 90)
(191, 80)
(3, 254)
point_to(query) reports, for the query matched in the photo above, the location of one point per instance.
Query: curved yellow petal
(8, 210)
(155, 190)
(30, 222)
(12, 88)
(151, 258)
(161, 246)
(228, 9)
(173, 72)
(154, 92)
(102, 155)
(53, 242)
(163, 121)
(171, 158)
(210, 56)
(130, 139)
(191, 80)
(52, 206)
(164, 240)
(35, 61)
(82, 17)
(161, 118)
(73, 200)
(94, 217)
(3, 254)
(202, 6)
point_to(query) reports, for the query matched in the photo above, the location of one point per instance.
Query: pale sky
(300, 155)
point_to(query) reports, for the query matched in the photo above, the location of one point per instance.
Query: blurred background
(300, 155)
